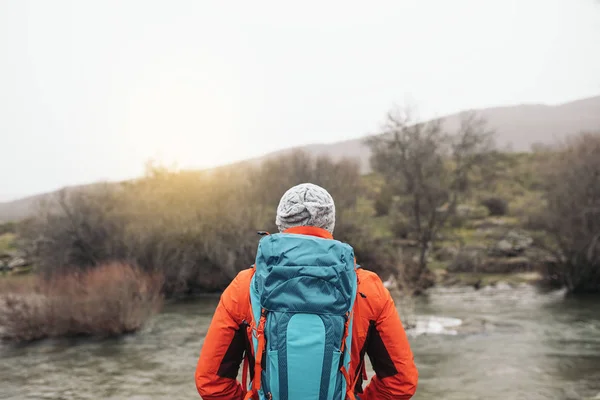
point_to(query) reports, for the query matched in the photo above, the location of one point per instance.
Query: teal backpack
(302, 295)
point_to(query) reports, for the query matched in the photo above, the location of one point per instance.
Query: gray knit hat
(306, 205)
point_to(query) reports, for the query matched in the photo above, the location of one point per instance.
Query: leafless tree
(571, 216)
(428, 169)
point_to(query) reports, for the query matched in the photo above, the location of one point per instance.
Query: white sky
(91, 90)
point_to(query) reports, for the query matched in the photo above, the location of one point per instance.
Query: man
(306, 210)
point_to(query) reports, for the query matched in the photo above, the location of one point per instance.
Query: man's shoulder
(245, 275)
(368, 279)
(240, 286)
(236, 298)
(371, 288)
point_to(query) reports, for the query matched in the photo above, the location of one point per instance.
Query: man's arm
(224, 345)
(388, 349)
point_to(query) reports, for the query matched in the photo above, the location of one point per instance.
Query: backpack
(302, 294)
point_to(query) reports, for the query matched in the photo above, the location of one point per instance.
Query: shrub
(571, 212)
(467, 260)
(197, 227)
(529, 209)
(109, 300)
(7, 227)
(457, 221)
(357, 226)
(400, 225)
(383, 201)
(7, 242)
(496, 206)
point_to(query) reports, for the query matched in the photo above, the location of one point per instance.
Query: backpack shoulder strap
(252, 326)
(259, 333)
(343, 350)
(257, 326)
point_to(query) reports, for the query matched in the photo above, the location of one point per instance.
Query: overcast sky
(91, 90)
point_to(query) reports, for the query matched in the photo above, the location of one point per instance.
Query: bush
(372, 247)
(383, 201)
(496, 206)
(197, 227)
(400, 225)
(7, 227)
(457, 221)
(571, 212)
(108, 300)
(467, 260)
(7, 243)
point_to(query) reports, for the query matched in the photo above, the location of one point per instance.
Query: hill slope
(516, 126)
(19, 209)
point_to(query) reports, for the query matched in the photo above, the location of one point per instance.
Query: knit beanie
(306, 205)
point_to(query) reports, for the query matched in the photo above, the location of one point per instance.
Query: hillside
(19, 209)
(22, 208)
(517, 127)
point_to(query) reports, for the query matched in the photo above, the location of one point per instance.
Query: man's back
(377, 332)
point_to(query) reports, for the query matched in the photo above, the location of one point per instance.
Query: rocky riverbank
(12, 260)
(488, 250)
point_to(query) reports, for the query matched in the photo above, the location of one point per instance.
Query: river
(488, 344)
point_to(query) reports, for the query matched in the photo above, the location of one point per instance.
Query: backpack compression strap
(260, 336)
(349, 382)
(349, 387)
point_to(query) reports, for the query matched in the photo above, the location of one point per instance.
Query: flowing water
(489, 344)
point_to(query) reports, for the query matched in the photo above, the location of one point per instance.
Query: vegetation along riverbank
(437, 206)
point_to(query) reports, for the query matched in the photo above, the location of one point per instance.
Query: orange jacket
(377, 332)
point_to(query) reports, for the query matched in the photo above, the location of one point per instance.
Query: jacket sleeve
(223, 349)
(388, 349)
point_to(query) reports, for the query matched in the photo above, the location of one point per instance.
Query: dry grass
(14, 284)
(109, 300)
(7, 242)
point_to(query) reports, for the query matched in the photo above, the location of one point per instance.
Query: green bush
(400, 225)
(7, 242)
(496, 206)
(383, 202)
(7, 227)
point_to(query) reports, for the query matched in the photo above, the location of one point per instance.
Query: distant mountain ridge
(18, 209)
(517, 127)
